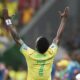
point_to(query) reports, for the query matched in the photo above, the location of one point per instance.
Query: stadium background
(42, 20)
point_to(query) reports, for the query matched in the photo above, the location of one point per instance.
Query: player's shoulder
(53, 48)
(25, 47)
(53, 45)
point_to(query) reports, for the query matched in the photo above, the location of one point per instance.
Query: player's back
(39, 65)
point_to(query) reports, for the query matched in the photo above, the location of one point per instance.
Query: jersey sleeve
(54, 48)
(24, 49)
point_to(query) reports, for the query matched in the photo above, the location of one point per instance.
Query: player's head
(42, 44)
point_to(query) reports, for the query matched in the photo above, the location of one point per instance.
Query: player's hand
(65, 13)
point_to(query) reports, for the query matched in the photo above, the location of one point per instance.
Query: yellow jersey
(39, 65)
(12, 74)
(21, 75)
(12, 8)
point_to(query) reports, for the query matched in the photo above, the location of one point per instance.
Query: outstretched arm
(64, 16)
(10, 27)
(15, 35)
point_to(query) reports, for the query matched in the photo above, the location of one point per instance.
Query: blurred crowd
(21, 13)
(8, 73)
(68, 66)
(67, 61)
(21, 10)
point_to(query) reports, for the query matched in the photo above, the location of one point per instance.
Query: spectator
(25, 12)
(12, 73)
(73, 67)
(21, 74)
(27, 15)
(11, 6)
(61, 68)
(3, 72)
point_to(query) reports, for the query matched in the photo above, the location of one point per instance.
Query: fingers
(66, 10)
(65, 13)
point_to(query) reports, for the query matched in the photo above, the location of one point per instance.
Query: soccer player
(40, 60)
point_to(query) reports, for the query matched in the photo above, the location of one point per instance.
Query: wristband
(8, 22)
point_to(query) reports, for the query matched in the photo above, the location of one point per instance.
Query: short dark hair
(42, 44)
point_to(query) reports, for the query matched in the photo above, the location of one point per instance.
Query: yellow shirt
(21, 75)
(12, 74)
(39, 65)
(12, 8)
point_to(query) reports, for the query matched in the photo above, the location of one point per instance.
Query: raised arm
(10, 27)
(64, 16)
